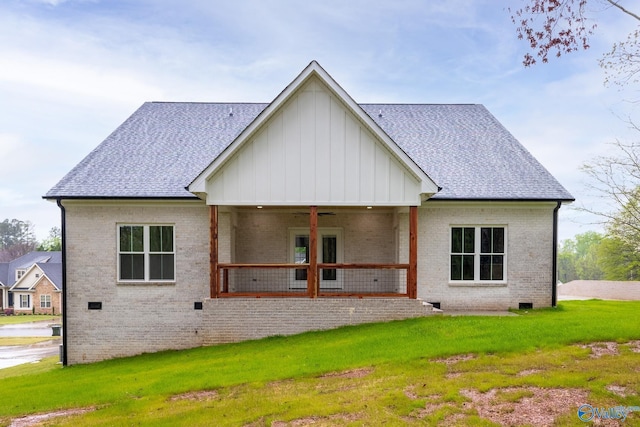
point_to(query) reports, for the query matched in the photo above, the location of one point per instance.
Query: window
(19, 273)
(45, 301)
(478, 254)
(25, 301)
(146, 253)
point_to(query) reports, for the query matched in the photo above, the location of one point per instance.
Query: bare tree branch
(628, 12)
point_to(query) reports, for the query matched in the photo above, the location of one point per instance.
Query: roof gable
(36, 274)
(313, 145)
(24, 262)
(28, 279)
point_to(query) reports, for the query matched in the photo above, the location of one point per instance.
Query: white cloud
(76, 79)
(71, 71)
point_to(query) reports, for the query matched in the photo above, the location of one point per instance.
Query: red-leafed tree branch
(553, 28)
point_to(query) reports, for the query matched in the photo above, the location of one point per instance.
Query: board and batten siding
(314, 151)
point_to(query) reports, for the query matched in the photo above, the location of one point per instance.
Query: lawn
(535, 368)
(12, 320)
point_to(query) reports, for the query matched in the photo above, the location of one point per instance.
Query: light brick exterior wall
(529, 247)
(134, 318)
(263, 236)
(237, 319)
(138, 318)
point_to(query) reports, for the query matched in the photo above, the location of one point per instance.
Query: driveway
(17, 355)
(599, 289)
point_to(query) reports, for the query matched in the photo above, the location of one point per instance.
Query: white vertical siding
(314, 151)
(292, 138)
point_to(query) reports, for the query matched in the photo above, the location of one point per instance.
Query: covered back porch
(313, 251)
(321, 169)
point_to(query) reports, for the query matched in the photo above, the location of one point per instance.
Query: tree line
(597, 256)
(18, 238)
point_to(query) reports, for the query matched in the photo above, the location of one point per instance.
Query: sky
(71, 71)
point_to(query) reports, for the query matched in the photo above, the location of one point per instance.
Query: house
(202, 223)
(32, 283)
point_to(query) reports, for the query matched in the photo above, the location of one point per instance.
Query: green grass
(27, 318)
(11, 341)
(281, 378)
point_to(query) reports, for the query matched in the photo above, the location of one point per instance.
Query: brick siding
(238, 319)
(151, 317)
(528, 248)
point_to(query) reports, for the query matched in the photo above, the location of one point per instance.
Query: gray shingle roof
(53, 272)
(162, 147)
(53, 260)
(4, 274)
(466, 151)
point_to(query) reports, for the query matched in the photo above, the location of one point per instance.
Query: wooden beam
(213, 251)
(412, 275)
(312, 275)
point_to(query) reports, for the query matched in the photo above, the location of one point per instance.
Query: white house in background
(202, 223)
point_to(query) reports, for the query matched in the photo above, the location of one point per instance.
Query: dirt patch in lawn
(354, 373)
(336, 419)
(39, 419)
(599, 349)
(527, 372)
(196, 396)
(634, 346)
(525, 405)
(619, 390)
(455, 359)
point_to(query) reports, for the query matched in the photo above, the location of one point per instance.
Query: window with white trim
(25, 301)
(45, 301)
(478, 254)
(19, 273)
(146, 253)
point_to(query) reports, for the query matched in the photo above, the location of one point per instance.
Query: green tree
(567, 261)
(53, 242)
(578, 259)
(618, 260)
(587, 267)
(16, 239)
(15, 232)
(615, 178)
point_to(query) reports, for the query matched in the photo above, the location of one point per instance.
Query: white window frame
(21, 301)
(477, 254)
(146, 252)
(45, 301)
(20, 272)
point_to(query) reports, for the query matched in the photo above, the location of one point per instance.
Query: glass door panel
(329, 256)
(301, 255)
(329, 252)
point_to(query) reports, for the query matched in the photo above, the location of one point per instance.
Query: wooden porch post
(312, 279)
(412, 276)
(213, 251)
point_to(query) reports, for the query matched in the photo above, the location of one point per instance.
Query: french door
(329, 251)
